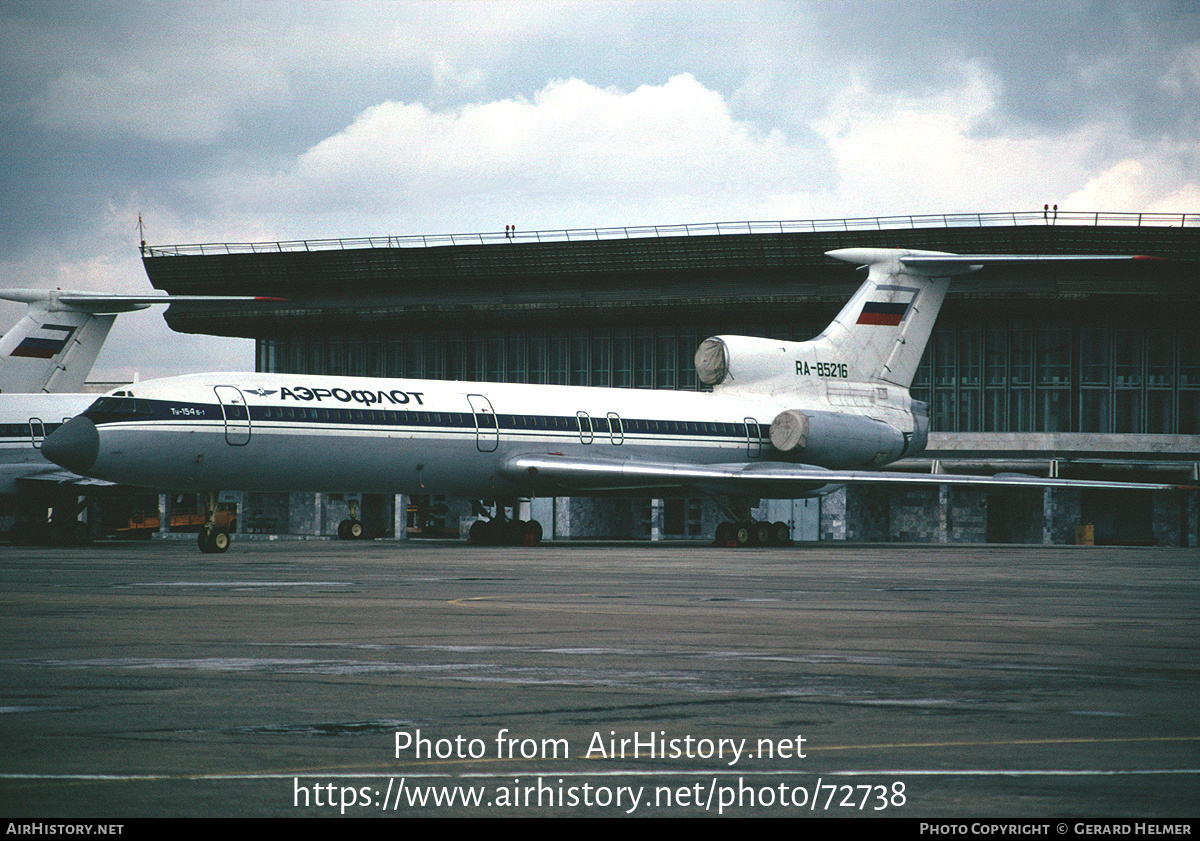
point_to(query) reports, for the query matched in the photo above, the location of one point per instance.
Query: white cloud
(949, 151)
(1133, 185)
(573, 141)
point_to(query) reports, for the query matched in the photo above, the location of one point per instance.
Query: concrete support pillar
(1060, 514)
(542, 509)
(164, 513)
(400, 516)
(562, 517)
(942, 531)
(833, 515)
(1192, 527)
(306, 513)
(240, 499)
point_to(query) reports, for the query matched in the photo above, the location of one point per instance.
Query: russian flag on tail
(882, 312)
(45, 343)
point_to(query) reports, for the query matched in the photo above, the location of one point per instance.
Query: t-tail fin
(879, 336)
(882, 331)
(54, 347)
(886, 325)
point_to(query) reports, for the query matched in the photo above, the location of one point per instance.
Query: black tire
(533, 533)
(781, 534)
(762, 533)
(514, 533)
(743, 534)
(724, 534)
(480, 533)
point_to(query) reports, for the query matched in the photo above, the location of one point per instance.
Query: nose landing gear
(212, 540)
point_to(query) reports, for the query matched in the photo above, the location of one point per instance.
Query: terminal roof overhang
(367, 286)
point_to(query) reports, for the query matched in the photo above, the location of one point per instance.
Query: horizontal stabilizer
(882, 331)
(57, 300)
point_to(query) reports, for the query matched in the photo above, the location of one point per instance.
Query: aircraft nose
(75, 445)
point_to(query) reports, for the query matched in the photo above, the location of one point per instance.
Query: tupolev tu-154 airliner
(783, 420)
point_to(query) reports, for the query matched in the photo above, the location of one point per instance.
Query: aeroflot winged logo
(261, 392)
(888, 313)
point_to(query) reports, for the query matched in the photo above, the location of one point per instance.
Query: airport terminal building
(1088, 370)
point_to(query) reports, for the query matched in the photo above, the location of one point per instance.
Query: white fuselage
(424, 436)
(25, 420)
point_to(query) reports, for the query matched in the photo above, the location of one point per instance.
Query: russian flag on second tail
(45, 342)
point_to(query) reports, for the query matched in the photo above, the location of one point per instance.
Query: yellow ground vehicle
(142, 524)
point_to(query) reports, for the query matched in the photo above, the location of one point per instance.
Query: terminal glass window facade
(1052, 384)
(996, 375)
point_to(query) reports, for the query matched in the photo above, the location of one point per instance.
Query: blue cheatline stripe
(119, 409)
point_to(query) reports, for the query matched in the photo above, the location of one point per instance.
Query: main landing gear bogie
(505, 533)
(753, 533)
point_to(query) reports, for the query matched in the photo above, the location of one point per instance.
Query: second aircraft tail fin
(52, 348)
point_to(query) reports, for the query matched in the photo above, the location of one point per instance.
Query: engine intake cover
(836, 440)
(712, 363)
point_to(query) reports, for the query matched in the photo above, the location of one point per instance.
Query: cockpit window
(112, 407)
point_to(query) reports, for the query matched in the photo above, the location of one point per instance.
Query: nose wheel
(213, 540)
(350, 530)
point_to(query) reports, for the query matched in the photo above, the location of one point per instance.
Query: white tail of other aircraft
(54, 347)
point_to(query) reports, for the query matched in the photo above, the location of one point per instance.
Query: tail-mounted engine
(742, 360)
(836, 440)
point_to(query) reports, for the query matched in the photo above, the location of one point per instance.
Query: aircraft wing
(26, 477)
(547, 473)
(64, 477)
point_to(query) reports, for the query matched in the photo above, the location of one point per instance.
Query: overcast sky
(233, 122)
